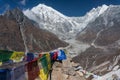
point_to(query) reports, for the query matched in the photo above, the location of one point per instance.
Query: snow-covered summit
(52, 20)
(47, 12)
(98, 11)
(63, 26)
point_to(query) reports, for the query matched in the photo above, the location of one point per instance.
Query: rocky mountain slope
(103, 37)
(19, 33)
(104, 29)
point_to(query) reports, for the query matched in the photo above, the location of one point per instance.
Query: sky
(66, 7)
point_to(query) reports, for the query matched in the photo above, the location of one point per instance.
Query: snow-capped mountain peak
(52, 20)
(45, 13)
(103, 9)
(90, 16)
(98, 11)
(46, 10)
(63, 26)
(95, 12)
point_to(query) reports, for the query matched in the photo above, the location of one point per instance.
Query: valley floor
(76, 47)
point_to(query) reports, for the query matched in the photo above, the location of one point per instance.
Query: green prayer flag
(5, 55)
(44, 63)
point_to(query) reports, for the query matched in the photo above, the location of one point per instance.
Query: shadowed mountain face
(19, 33)
(10, 36)
(103, 36)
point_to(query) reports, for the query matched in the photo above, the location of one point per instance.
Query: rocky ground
(65, 71)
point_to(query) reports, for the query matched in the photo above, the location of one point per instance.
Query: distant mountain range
(63, 26)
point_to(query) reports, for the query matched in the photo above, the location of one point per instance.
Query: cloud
(23, 2)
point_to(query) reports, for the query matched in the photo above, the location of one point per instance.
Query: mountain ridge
(63, 26)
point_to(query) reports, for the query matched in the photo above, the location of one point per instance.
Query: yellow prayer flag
(42, 75)
(0, 63)
(17, 56)
(48, 60)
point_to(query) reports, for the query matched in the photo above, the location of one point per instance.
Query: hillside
(19, 33)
